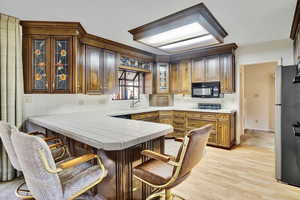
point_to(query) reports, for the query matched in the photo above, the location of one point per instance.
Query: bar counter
(117, 141)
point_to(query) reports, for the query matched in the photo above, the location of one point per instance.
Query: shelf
(134, 69)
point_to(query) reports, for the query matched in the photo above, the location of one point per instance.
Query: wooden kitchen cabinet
(212, 70)
(94, 66)
(186, 76)
(110, 78)
(101, 70)
(180, 77)
(215, 68)
(198, 70)
(161, 76)
(223, 131)
(227, 73)
(149, 117)
(48, 66)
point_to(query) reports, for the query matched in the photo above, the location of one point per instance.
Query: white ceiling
(246, 21)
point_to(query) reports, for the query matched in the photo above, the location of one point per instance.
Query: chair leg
(23, 193)
(155, 195)
(168, 195)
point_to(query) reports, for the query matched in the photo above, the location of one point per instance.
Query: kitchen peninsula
(118, 142)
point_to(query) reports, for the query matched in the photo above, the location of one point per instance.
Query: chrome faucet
(133, 103)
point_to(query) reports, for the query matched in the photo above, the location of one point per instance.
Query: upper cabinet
(94, 69)
(198, 70)
(110, 72)
(100, 67)
(180, 77)
(227, 73)
(48, 64)
(161, 75)
(215, 68)
(60, 57)
(62, 67)
(212, 70)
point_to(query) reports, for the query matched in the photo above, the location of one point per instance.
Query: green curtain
(11, 83)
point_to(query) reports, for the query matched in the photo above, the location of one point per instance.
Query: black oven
(206, 90)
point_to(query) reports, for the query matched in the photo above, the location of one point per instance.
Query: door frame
(241, 99)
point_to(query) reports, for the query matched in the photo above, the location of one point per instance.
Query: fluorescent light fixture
(193, 27)
(192, 43)
(177, 34)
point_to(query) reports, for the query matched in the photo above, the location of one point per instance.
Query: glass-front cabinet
(62, 64)
(48, 64)
(40, 64)
(162, 78)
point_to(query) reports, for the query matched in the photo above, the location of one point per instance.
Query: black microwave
(206, 90)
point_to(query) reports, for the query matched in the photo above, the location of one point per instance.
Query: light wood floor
(244, 173)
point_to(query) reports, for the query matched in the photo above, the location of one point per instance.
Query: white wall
(266, 52)
(274, 51)
(259, 96)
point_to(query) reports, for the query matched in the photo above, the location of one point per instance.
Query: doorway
(258, 104)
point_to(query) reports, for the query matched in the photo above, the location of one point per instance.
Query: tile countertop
(152, 109)
(102, 131)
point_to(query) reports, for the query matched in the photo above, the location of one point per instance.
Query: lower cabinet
(149, 117)
(222, 135)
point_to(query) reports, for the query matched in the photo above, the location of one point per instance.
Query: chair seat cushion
(80, 181)
(154, 171)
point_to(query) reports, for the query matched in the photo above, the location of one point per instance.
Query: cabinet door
(185, 77)
(224, 131)
(174, 79)
(227, 73)
(37, 65)
(162, 78)
(94, 70)
(212, 69)
(110, 72)
(61, 69)
(198, 70)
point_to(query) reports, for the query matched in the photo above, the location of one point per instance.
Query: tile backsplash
(227, 102)
(44, 104)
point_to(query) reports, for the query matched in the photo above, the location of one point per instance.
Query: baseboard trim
(258, 130)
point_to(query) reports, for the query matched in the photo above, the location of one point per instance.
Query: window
(131, 85)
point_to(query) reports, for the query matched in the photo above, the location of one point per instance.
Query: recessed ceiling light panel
(190, 28)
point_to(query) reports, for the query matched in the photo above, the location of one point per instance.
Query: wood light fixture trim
(198, 14)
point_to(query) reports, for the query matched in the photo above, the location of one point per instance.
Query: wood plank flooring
(244, 173)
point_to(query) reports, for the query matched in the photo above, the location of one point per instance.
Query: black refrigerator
(287, 134)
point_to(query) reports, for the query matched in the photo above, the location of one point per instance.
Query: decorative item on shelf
(136, 64)
(132, 62)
